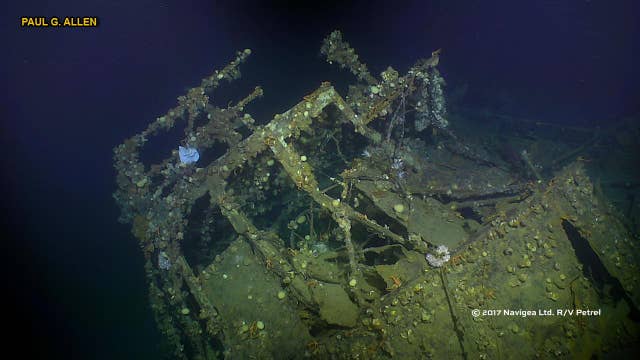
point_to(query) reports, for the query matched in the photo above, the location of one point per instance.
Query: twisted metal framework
(158, 199)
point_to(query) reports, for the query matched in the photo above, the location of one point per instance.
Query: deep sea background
(74, 276)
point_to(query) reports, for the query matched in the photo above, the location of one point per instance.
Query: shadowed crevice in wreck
(609, 288)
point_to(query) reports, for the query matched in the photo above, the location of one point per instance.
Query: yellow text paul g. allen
(80, 21)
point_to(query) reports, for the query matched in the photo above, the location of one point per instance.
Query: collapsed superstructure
(306, 236)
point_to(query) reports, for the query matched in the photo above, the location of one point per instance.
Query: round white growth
(439, 257)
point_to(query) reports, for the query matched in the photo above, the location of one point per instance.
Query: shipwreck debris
(332, 245)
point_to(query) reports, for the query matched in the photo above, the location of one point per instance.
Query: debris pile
(362, 227)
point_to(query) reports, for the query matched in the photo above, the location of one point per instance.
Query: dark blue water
(75, 275)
